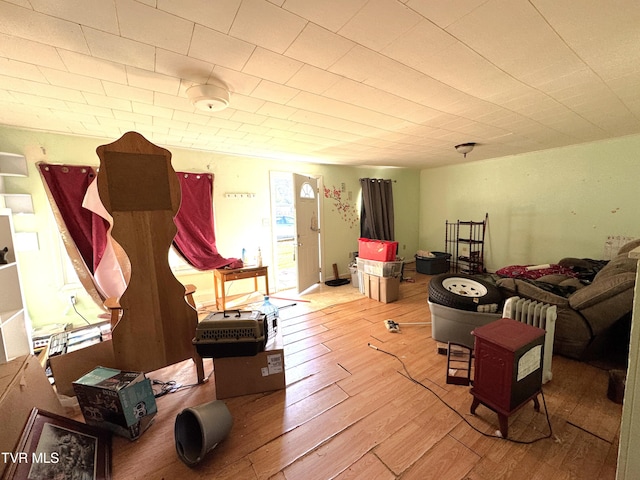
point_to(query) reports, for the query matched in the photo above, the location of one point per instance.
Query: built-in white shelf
(14, 165)
(15, 330)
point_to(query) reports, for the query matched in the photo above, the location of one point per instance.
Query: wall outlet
(72, 299)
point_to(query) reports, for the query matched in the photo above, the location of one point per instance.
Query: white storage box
(453, 325)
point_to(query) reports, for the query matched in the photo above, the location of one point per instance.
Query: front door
(307, 242)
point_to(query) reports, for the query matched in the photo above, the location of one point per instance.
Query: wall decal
(347, 211)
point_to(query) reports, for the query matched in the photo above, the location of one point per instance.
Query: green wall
(542, 206)
(239, 222)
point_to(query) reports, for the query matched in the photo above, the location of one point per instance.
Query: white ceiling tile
(93, 67)
(165, 123)
(277, 133)
(417, 45)
(118, 49)
(343, 110)
(232, 133)
(356, 93)
(255, 129)
(444, 12)
(157, 82)
(44, 90)
(24, 23)
(532, 44)
(247, 117)
(93, 13)
(127, 92)
(379, 23)
(197, 129)
(279, 124)
(608, 42)
(72, 80)
(155, 111)
(181, 66)
(319, 119)
(313, 79)
(323, 132)
(225, 123)
(117, 123)
(237, 82)
(271, 109)
(246, 103)
(218, 14)
(172, 102)
(154, 27)
(271, 66)
(274, 92)
(85, 108)
(362, 63)
(187, 117)
(29, 51)
(139, 118)
(331, 14)
(255, 23)
(514, 76)
(216, 48)
(318, 46)
(17, 69)
(108, 102)
(39, 100)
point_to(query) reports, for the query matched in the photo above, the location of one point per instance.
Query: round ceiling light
(209, 98)
(465, 148)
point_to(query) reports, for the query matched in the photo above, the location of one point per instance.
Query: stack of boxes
(379, 272)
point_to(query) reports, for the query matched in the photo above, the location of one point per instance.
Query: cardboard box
(23, 385)
(263, 372)
(71, 366)
(382, 289)
(122, 402)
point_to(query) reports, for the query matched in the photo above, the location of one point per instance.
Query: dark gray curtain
(376, 214)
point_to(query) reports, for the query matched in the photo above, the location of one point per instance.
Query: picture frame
(53, 446)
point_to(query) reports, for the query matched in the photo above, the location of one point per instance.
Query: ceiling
(351, 82)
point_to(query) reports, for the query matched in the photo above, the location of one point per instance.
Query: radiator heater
(539, 315)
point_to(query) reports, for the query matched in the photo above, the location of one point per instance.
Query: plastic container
(379, 269)
(433, 265)
(271, 314)
(453, 325)
(354, 276)
(380, 250)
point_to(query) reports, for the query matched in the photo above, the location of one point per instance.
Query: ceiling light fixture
(211, 97)
(465, 148)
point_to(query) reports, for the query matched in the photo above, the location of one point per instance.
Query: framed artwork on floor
(56, 447)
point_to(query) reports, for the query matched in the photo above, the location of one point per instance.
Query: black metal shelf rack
(464, 241)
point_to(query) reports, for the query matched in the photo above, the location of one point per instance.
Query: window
(307, 191)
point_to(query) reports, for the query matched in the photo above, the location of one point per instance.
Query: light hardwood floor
(350, 411)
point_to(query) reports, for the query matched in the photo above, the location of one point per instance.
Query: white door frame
(274, 251)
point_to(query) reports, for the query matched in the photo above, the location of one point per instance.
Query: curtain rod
(379, 180)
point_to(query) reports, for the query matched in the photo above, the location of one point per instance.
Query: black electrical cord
(417, 382)
(172, 386)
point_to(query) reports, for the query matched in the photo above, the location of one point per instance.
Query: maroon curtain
(196, 239)
(68, 185)
(85, 233)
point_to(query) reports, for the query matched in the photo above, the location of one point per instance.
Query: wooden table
(222, 275)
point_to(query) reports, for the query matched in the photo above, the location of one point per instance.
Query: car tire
(463, 292)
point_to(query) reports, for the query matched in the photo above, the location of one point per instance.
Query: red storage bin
(380, 250)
